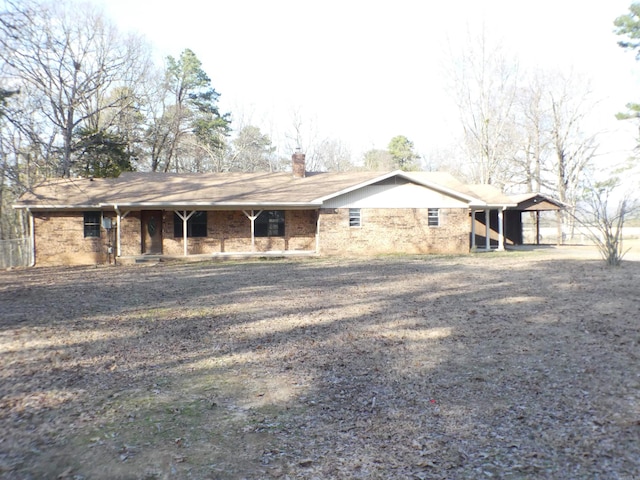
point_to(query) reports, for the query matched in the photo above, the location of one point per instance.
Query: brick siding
(393, 231)
(60, 236)
(230, 231)
(60, 240)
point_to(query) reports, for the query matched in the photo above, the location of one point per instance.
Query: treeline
(80, 97)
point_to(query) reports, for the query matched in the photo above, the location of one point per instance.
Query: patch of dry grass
(515, 365)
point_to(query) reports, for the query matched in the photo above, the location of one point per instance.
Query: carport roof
(535, 202)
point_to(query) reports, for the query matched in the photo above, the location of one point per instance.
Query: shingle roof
(235, 190)
(209, 189)
(491, 194)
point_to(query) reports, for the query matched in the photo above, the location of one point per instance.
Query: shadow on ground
(513, 365)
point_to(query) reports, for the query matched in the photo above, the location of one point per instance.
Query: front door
(152, 232)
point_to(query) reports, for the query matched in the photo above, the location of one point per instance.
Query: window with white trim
(354, 217)
(433, 217)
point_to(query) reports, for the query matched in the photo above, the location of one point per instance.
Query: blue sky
(365, 72)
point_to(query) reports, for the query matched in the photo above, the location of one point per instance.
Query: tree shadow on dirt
(417, 367)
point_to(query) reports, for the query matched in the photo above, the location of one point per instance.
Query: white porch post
(318, 234)
(119, 217)
(252, 217)
(473, 230)
(500, 229)
(32, 238)
(185, 220)
(487, 221)
(118, 223)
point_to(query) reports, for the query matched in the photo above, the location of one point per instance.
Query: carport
(528, 202)
(497, 226)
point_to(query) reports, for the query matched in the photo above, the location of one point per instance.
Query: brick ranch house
(92, 221)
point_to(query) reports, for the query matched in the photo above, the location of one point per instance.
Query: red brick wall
(60, 236)
(230, 231)
(130, 243)
(60, 240)
(393, 231)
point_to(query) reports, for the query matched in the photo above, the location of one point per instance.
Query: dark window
(433, 217)
(270, 223)
(354, 217)
(196, 225)
(92, 224)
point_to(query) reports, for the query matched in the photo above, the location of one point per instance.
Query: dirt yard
(515, 365)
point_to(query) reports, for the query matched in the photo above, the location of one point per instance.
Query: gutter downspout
(32, 239)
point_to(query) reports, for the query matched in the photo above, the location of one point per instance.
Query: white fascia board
(220, 205)
(190, 205)
(478, 205)
(45, 207)
(501, 205)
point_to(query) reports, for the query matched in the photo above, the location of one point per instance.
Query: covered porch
(200, 232)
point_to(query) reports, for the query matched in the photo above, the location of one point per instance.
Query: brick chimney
(298, 164)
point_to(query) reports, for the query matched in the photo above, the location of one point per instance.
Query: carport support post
(487, 221)
(473, 230)
(500, 228)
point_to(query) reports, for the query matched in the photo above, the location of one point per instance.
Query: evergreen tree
(401, 150)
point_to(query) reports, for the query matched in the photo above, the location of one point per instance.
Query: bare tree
(252, 152)
(303, 134)
(603, 216)
(70, 57)
(534, 122)
(334, 156)
(574, 148)
(484, 81)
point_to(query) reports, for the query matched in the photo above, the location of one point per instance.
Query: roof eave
(169, 205)
(216, 205)
(45, 207)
